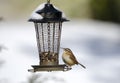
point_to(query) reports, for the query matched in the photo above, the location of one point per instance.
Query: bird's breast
(67, 59)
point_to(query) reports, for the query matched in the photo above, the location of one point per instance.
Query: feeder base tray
(49, 68)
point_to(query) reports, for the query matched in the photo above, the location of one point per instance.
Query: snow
(95, 44)
(36, 16)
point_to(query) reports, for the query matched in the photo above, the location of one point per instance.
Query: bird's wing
(76, 62)
(74, 59)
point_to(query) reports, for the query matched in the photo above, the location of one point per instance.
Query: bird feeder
(48, 33)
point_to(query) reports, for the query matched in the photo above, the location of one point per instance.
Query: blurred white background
(96, 44)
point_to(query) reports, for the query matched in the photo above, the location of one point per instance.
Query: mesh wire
(48, 36)
(48, 40)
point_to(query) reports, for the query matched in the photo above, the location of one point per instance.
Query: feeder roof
(47, 13)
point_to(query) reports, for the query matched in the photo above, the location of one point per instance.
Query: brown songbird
(69, 58)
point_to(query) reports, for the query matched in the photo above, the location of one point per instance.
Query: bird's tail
(82, 65)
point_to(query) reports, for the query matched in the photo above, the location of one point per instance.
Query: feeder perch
(48, 27)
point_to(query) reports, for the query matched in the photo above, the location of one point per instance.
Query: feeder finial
(48, 1)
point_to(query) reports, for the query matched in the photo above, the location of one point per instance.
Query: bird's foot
(67, 68)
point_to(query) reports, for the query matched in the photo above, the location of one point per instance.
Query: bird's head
(66, 49)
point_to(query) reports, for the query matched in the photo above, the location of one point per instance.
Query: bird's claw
(67, 68)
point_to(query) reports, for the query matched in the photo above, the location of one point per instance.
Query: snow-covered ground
(95, 44)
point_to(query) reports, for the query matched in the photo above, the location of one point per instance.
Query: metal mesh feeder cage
(48, 33)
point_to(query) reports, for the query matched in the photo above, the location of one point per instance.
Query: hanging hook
(48, 1)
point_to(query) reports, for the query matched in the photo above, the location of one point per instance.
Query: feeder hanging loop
(48, 1)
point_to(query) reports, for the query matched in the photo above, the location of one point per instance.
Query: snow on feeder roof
(47, 13)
